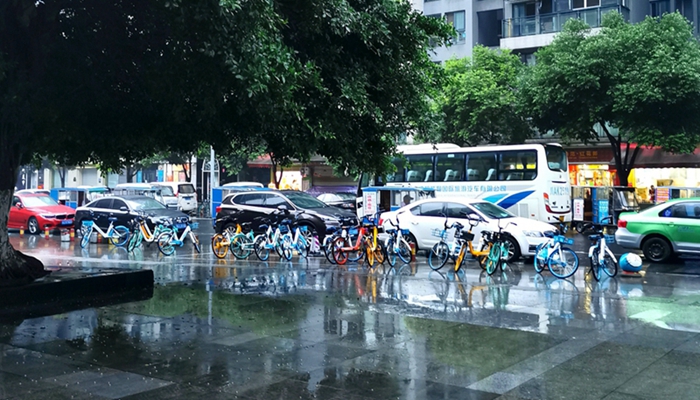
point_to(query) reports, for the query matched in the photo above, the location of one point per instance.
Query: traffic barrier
(46, 232)
(413, 251)
(72, 234)
(21, 232)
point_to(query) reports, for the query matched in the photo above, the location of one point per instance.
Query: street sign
(578, 209)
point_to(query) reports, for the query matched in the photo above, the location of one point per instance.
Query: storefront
(591, 166)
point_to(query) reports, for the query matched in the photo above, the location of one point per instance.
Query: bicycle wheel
(339, 255)
(165, 243)
(285, 247)
(404, 251)
(595, 266)
(87, 232)
(119, 236)
(241, 246)
(437, 258)
(134, 241)
(260, 248)
(540, 258)
(302, 247)
(609, 265)
(328, 249)
(485, 248)
(219, 246)
(195, 242)
(380, 253)
(369, 253)
(563, 263)
(493, 259)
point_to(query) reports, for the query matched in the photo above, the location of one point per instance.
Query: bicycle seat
(390, 231)
(286, 222)
(245, 224)
(331, 229)
(112, 218)
(550, 234)
(593, 237)
(264, 226)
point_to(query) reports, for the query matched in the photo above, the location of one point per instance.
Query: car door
(120, 210)
(101, 210)
(424, 219)
(272, 201)
(249, 208)
(683, 225)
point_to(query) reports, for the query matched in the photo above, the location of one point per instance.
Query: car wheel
(33, 226)
(513, 249)
(657, 249)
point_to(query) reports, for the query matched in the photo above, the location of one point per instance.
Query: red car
(34, 212)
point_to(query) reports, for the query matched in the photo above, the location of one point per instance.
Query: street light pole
(211, 175)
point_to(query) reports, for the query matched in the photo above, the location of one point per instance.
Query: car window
(304, 200)
(186, 188)
(165, 190)
(38, 201)
(15, 200)
(104, 203)
(118, 204)
(456, 210)
(251, 199)
(274, 201)
(492, 211)
(682, 210)
(432, 209)
(145, 204)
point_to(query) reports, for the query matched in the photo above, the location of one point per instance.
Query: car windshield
(304, 200)
(145, 204)
(186, 188)
(166, 191)
(556, 158)
(38, 201)
(346, 196)
(492, 211)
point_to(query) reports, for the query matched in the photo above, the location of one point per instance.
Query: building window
(659, 8)
(456, 19)
(585, 3)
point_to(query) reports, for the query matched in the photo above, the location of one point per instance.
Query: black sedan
(125, 209)
(257, 205)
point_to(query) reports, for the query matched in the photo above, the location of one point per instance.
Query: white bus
(530, 180)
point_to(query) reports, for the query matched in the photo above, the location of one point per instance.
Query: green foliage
(642, 79)
(478, 100)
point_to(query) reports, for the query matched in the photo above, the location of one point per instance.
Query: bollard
(46, 231)
(21, 232)
(413, 251)
(72, 234)
(65, 235)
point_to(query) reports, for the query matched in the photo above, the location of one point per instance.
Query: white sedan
(425, 217)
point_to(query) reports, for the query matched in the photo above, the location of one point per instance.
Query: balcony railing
(551, 23)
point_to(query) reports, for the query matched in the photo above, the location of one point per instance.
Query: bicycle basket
(564, 240)
(88, 223)
(353, 231)
(405, 232)
(610, 238)
(468, 236)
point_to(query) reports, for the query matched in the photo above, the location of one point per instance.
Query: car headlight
(533, 233)
(48, 216)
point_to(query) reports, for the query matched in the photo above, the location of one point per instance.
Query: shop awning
(657, 158)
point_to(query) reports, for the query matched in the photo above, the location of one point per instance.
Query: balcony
(553, 23)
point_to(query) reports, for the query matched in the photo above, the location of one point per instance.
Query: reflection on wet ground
(309, 330)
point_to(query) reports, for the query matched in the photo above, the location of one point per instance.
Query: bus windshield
(556, 158)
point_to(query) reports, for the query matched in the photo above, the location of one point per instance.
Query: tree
(477, 103)
(643, 79)
(118, 80)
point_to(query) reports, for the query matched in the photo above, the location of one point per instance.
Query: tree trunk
(62, 174)
(187, 167)
(129, 174)
(623, 164)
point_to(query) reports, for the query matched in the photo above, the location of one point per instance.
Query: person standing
(652, 194)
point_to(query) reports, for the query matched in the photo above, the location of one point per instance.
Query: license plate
(187, 197)
(66, 222)
(180, 226)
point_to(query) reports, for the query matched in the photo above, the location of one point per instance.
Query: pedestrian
(407, 199)
(652, 194)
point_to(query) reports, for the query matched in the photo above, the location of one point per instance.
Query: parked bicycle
(117, 235)
(168, 240)
(561, 261)
(297, 236)
(346, 230)
(498, 252)
(141, 232)
(396, 246)
(272, 239)
(599, 254)
(461, 244)
(366, 243)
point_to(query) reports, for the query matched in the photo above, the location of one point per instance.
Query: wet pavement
(309, 330)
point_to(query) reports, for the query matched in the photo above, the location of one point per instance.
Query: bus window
(399, 175)
(518, 166)
(556, 158)
(450, 167)
(482, 166)
(420, 169)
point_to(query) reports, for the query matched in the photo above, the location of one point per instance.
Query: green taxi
(662, 231)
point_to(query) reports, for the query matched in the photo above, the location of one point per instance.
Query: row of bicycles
(563, 262)
(491, 251)
(167, 233)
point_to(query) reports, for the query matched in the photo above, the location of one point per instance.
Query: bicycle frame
(180, 241)
(146, 231)
(603, 249)
(106, 235)
(272, 237)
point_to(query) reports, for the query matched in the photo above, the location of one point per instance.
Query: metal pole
(211, 174)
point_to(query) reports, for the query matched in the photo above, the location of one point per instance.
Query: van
(163, 194)
(185, 193)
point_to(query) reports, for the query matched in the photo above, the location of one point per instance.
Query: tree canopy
(113, 82)
(477, 101)
(642, 79)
